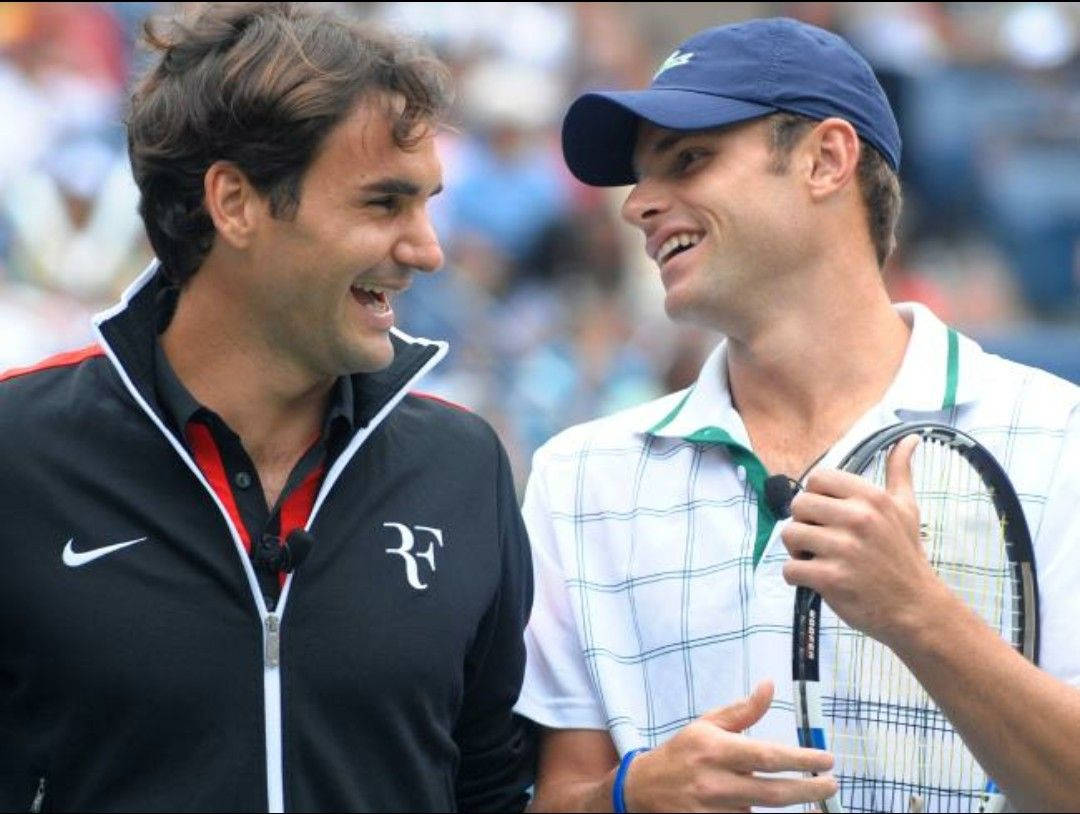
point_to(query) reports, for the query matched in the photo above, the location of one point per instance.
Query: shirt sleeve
(498, 747)
(1057, 562)
(557, 692)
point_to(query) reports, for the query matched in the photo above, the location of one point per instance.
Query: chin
(370, 357)
(697, 305)
(679, 308)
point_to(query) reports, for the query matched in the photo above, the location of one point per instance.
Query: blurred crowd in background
(553, 313)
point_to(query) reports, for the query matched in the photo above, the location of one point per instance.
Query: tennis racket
(894, 749)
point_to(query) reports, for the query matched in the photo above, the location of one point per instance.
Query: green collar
(701, 414)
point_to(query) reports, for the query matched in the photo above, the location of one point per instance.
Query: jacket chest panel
(394, 589)
(128, 628)
(117, 607)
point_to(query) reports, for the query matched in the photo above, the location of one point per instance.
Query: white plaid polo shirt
(659, 593)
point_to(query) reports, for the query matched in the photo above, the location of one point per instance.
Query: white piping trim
(104, 316)
(275, 769)
(129, 294)
(275, 772)
(272, 678)
(349, 452)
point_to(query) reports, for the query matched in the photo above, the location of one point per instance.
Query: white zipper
(271, 622)
(275, 774)
(272, 647)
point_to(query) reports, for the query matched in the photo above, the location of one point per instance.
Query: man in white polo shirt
(764, 157)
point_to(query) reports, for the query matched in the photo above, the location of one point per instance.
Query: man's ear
(834, 157)
(232, 203)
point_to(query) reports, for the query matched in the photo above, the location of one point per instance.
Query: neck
(801, 375)
(227, 364)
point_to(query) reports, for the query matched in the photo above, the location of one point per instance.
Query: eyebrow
(665, 144)
(669, 141)
(397, 186)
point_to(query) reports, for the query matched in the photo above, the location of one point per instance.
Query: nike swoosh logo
(74, 559)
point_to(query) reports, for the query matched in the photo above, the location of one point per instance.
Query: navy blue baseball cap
(731, 74)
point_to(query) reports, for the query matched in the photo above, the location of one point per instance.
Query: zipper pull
(273, 640)
(39, 798)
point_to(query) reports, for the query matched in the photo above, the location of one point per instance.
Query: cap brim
(600, 129)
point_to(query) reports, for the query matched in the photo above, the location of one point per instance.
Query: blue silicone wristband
(618, 802)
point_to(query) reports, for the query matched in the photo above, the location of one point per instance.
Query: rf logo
(408, 542)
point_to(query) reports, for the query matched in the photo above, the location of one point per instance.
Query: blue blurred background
(552, 310)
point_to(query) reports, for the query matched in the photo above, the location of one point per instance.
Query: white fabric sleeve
(1057, 562)
(557, 691)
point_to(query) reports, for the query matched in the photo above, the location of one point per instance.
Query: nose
(645, 201)
(419, 247)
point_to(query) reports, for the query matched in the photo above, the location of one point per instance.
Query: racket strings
(894, 748)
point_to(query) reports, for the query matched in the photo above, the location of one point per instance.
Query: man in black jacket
(244, 567)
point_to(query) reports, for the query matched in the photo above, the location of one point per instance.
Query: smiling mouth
(675, 245)
(373, 297)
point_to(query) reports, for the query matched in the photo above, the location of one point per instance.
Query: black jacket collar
(129, 334)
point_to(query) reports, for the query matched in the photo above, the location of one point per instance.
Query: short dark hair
(259, 85)
(878, 184)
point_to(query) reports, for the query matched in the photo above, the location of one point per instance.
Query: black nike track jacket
(151, 677)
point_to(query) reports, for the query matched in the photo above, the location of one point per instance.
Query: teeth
(675, 242)
(371, 288)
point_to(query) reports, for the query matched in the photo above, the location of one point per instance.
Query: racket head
(865, 729)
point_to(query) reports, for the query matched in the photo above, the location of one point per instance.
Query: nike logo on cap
(74, 559)
(674, 61)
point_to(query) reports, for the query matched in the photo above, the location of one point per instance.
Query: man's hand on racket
(858, 546)
(710, 766)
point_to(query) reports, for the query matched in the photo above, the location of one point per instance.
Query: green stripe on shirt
(952, 370)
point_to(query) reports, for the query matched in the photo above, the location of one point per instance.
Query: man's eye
(685, 158)
(390, 204)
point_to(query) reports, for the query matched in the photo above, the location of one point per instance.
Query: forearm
(579, 794)
(1021, 724)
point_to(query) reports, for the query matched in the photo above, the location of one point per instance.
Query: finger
(744, 713)
(834, 483)
(803, 540)
(898, 482)
(811, 507)
(776, 792)
(763, 756)
(853, 514)
(823, 510)
(815, 574)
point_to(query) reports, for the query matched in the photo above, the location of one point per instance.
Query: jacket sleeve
(498, 747)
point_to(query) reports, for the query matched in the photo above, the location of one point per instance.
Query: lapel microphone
(270, 553)
(780, 490)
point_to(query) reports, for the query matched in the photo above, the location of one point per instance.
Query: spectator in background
(988, 97)
(1029, 166)
(590, 367)
(73, 223)
(70, 235)
(509, 185)
(536, 292)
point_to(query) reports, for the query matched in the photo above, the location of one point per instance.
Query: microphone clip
(780, 490)
(270, 553)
